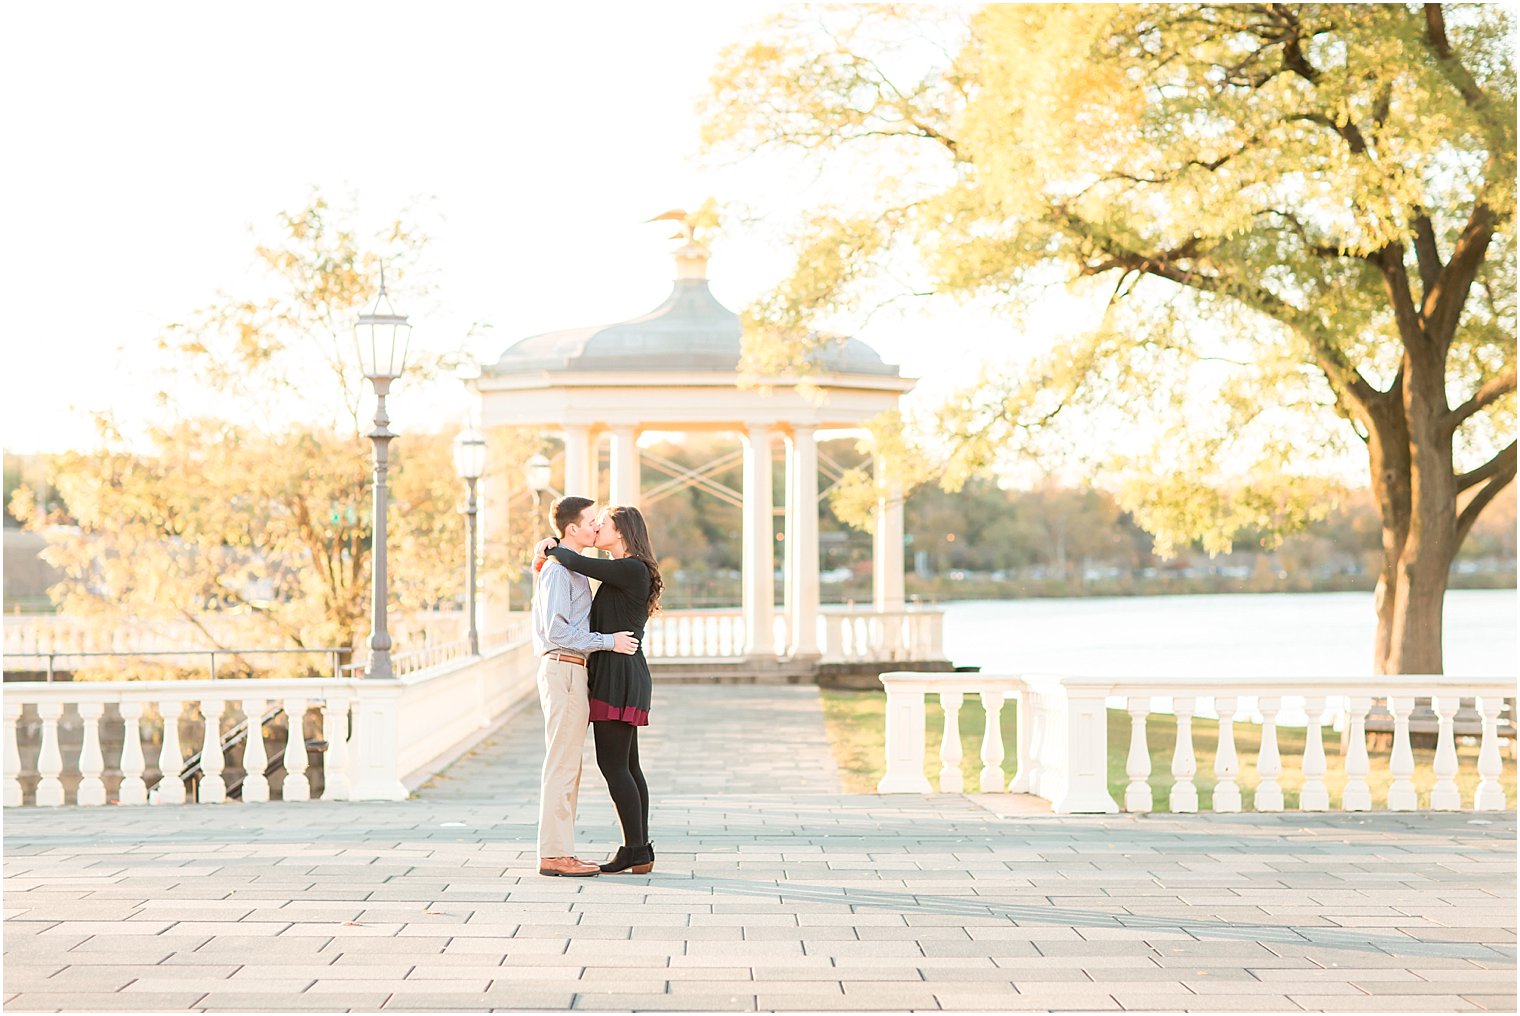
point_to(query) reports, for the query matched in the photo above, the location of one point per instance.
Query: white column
(12, 755)
(1313, 795)
(1226, 768)
(1358, 795)
(759, 580)
(295, 786)
(213, 787)
(1490, 794)
(92, 790)
(951, 781)
(1184, 796)
(578, 476)
(493, 603)
(50, 759)
(625, 466)
(887, 545)
(1445, 796)
(1401, 792)
(132, 790)
(992, 742)
(171, 759)
(1138, 796)
(802, 540)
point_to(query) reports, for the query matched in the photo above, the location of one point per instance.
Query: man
(562, 637)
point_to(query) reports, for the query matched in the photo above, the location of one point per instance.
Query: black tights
(617, 756)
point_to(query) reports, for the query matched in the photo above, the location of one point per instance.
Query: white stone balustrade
(1062, 744)
(380, 734)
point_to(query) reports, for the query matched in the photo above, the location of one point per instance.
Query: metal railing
(50, 668)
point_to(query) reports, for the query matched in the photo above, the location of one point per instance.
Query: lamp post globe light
(470, 464)
(537, 471)
(381, 336)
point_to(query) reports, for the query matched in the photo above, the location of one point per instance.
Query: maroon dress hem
(628, 714)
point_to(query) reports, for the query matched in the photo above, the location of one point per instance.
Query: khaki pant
(562, 693)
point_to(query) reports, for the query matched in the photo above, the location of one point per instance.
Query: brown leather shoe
(571, 867)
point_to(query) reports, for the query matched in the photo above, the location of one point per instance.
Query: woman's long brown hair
(630, 526)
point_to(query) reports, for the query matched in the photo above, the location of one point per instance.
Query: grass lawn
(856, 722)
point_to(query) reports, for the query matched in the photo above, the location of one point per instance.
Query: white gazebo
(676, 369)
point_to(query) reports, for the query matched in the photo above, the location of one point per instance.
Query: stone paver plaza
(772, 890)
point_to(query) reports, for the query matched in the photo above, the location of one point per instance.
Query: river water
(1235, 635)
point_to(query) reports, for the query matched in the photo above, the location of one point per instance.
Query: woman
(619, 686)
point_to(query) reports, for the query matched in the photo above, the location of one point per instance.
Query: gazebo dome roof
(690, 331)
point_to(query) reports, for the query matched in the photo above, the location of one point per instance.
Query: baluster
(1444, 796)
(1490, 796)
(92, 790)
(50, 759)
(1401, 794)
(171, 761)
(1357, 795)
(1184, 796)
(12, 754)
(294, 787)
(1038, 724)
(133, 789)
(1269, 795)
(213, 787)
(1226, 766)
(1137, 796)
(1023, 740)
(950, 779)
(1314, 796)
(255, 783)
(335, 785)
(992, 742)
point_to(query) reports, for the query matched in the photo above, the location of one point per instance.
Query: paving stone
(1381, 1003)
(244, 1001)
(31, 1001)
(666, 1003)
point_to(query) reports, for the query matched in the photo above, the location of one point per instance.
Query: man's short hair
(566, 512)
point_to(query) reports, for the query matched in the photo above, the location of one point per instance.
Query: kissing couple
(592, 670)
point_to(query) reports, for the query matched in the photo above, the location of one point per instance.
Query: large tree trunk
(1410, 454)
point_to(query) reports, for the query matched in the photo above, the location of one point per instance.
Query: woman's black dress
(618, 685)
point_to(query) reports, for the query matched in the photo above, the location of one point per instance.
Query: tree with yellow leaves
(1302, 214)
(267, 517)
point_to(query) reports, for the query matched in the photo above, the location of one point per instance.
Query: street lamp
(381, 336)
(470, 464)
(537, 472)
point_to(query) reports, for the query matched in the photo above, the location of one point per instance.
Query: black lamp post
(470, 464)
(381, 336)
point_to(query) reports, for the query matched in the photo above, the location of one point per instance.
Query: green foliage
(1250, 186)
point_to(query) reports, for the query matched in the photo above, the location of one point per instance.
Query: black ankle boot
(639, 859)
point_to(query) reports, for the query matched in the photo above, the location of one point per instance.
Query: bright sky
(145, 141)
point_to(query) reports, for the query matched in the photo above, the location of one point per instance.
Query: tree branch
(1330, 359)
(1502, 476)
(1444, 301)
(1389, 260)
(1493, 467)
(1427, 254)
(1498, 130)
(1488, 393)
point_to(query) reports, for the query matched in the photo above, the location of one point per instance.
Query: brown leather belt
(565, 657)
